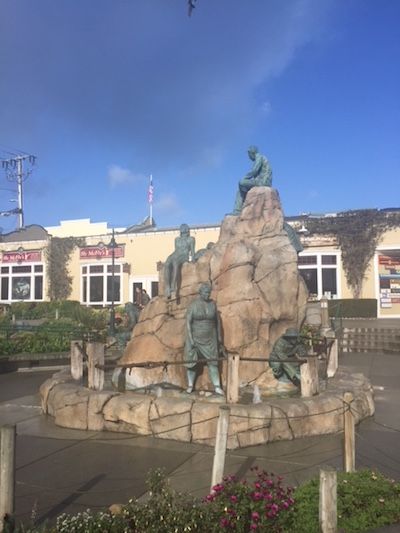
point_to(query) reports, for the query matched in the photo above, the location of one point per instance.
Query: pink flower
(224, 522)
(233, 498)
(253, 527)
(255, 516)
(257, 496)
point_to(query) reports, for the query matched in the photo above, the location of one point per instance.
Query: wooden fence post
(7, 473)
(349, 434)
(325, 324)
(95, 352)
(77, 360)
(220, 446)
(232, 386)
(309, 377)
(328, 500)
(333, 359)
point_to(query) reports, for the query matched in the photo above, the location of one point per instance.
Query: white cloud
(167, 203)
(121, 176)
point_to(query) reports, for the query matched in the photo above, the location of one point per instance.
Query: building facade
(96, 266)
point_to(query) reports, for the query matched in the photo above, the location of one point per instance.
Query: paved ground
(60, 470)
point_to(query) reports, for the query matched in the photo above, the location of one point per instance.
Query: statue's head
(184, 229)
(252, 151)
(291, 333)
(205, 291)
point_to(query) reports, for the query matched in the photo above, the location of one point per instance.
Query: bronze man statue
(259, 175)
(184, 250)
(288, 346)
(203, 338)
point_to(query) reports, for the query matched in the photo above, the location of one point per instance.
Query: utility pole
(18, 169)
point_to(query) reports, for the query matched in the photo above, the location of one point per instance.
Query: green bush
(366, 500)
(352, 308)
(51, 336)
(84, 315)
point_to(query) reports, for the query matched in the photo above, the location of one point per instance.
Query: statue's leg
(167, 279)
(174, 276)
(292, 370)
(215, 380)
(276, 367)
(191, 376)
(244, 186)
(238, 204)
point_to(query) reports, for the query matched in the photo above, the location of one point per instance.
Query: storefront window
(97, 284)
(319, 272)
(21, 283)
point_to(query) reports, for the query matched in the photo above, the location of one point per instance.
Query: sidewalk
(62, 470)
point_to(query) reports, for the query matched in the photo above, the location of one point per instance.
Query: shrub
(242, 506)
(366, 500)
(352, 308)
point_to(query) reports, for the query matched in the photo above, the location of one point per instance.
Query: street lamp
(112, 246)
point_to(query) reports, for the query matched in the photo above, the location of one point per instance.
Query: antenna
(15, 171)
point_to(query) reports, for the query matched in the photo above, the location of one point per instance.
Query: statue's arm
(254, 172)
(189, 318)
(219, 328)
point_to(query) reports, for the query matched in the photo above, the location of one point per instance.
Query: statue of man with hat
(288, 346)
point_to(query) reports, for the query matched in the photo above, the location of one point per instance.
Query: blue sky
(106, 92)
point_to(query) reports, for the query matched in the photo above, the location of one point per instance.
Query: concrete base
(171, 414)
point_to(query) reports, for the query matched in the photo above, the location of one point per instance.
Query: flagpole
(151, 199)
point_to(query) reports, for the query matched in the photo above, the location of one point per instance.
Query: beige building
(138, 250)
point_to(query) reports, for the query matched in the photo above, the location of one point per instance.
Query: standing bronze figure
(203, 338)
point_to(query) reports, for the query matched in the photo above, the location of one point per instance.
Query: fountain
(259, 295)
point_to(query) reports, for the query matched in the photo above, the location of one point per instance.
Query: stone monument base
(172, 414)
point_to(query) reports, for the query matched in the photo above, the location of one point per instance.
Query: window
(21, 283)
(154, 289)
(319, 272)
(98, 283)
(148, 283)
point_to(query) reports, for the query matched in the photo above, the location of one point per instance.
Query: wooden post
(95, 352)
(349, 434)
(309, 377)
(7, 473)
(220, 446)
(232, 386)
(76, 360)
(328, 500)
(333, 359)
(325, 325)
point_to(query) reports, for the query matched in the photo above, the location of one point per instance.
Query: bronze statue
(202, 251)
(203, 338)
(288, 346)
(293, 237)
(184, 250)
(259, 175)
(124, 333)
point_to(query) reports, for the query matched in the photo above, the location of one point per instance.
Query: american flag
(150, 192)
